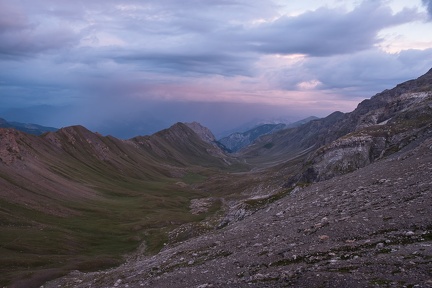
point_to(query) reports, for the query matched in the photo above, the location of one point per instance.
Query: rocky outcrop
(203, 132)
(384, 129)
(405, 101)
(343, 156)
(9, 148)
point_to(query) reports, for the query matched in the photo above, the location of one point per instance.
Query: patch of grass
(102, 231)
(259, 202)
(192, 178)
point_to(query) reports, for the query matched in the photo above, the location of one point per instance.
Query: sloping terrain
(279, 213)
(369, 228)
(390, 112)
(73, 199)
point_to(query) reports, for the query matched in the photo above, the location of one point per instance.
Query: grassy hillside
(75, 200)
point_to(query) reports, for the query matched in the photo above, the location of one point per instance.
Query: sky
(134, 67)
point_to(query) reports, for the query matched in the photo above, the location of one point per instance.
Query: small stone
(323, 237)
(379, 246)
(206, 285)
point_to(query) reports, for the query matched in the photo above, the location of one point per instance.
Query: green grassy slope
(77, 200)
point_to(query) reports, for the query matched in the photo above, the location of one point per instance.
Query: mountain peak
(203, 132)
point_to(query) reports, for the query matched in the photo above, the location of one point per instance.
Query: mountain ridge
(314, 199)
(353, 187)
(239, 140)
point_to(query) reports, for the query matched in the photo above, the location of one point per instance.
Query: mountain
(76, 157)
(343, 201)
(74, 199)
(236, 141)
(204, 133)
(390, 116)
(370, 228)
(302, 207)
(26, 127)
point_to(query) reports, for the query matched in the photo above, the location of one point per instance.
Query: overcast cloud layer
(146, 64)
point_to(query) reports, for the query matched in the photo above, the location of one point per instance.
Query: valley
(321, 198)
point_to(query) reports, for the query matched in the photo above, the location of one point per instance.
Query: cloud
(21, 36)
(132, 57)
(361, 74)
(428, 5)
(326, 32)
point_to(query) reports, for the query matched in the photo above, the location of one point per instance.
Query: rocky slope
(295, 219)
(386, 117)
(388, 125)
(369, 228)
(204, 133)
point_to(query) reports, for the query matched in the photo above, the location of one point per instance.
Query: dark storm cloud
(428, 5)
(191, 64)
(204, 37)
(21, 36)
(328, 32)
(132, 58)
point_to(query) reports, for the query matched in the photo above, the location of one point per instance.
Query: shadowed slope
(74, 199)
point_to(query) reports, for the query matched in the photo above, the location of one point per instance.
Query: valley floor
(369, 228)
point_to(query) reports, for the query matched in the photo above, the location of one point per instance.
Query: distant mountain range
(238, 140)
(26, 127)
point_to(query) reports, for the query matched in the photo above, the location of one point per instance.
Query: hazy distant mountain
(252, 124)
(26, 127)
(239, 140)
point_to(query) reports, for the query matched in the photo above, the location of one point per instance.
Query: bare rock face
(380, 132)
(9, 148)
(344, 155)
(203, 132)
